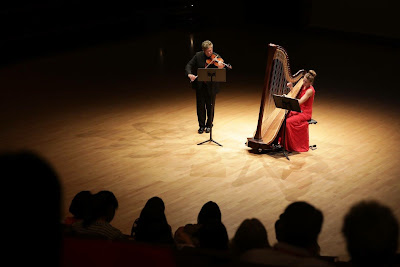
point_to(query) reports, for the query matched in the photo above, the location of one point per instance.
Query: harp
(277, 75)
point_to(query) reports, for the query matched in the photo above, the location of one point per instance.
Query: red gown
(296, 137)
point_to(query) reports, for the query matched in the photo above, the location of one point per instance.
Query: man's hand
(192, 77)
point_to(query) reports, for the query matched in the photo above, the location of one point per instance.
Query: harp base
(259, 145)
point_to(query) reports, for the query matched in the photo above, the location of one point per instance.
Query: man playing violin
(205, 91)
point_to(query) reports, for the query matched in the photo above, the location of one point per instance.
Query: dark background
(34, 28)
(353, 45)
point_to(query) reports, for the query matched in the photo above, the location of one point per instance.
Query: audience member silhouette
(297, 231)
(371, 232)
(212, 235)
(80, 205)
(299, 226)
(152, 225)
(33, 212)
(210, 212)
(97, 220)
(205, 243)
(186, 236)
(250, 234)
(208, 223)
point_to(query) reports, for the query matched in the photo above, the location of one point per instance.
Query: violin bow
(214, 59)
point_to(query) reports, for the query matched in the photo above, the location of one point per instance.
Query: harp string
(277, 86)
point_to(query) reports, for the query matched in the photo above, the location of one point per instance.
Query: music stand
(288, 104)
(211, 75)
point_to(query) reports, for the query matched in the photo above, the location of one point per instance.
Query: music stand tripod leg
(204, 142)
(212, 112)
(284, 136)
(211, 136)
(210, 140)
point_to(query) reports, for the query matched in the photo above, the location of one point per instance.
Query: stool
(312, 121)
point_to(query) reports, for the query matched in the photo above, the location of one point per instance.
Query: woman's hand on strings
(290, 85)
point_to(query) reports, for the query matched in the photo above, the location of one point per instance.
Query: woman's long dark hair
(152, 225)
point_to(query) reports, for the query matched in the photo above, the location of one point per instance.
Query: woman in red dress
(296, 136)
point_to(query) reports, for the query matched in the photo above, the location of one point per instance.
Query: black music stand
(211, 75)
(288, 104)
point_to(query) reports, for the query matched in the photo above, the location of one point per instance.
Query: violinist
(205, 91)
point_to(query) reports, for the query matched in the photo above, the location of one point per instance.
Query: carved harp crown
(277, 75)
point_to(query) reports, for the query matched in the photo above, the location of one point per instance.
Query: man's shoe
(208, 129)
(201, 130)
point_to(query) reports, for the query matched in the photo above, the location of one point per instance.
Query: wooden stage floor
(121, 117)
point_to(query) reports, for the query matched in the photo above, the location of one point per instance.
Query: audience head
(210, 212)
(371, 232)
(79, 204)
(153, 209)
(152, 225)
(299, 225)
(250, 234)
(103, 206)
(34, 211)
(213, 235)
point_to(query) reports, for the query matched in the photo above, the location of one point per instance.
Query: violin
(216, 61)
